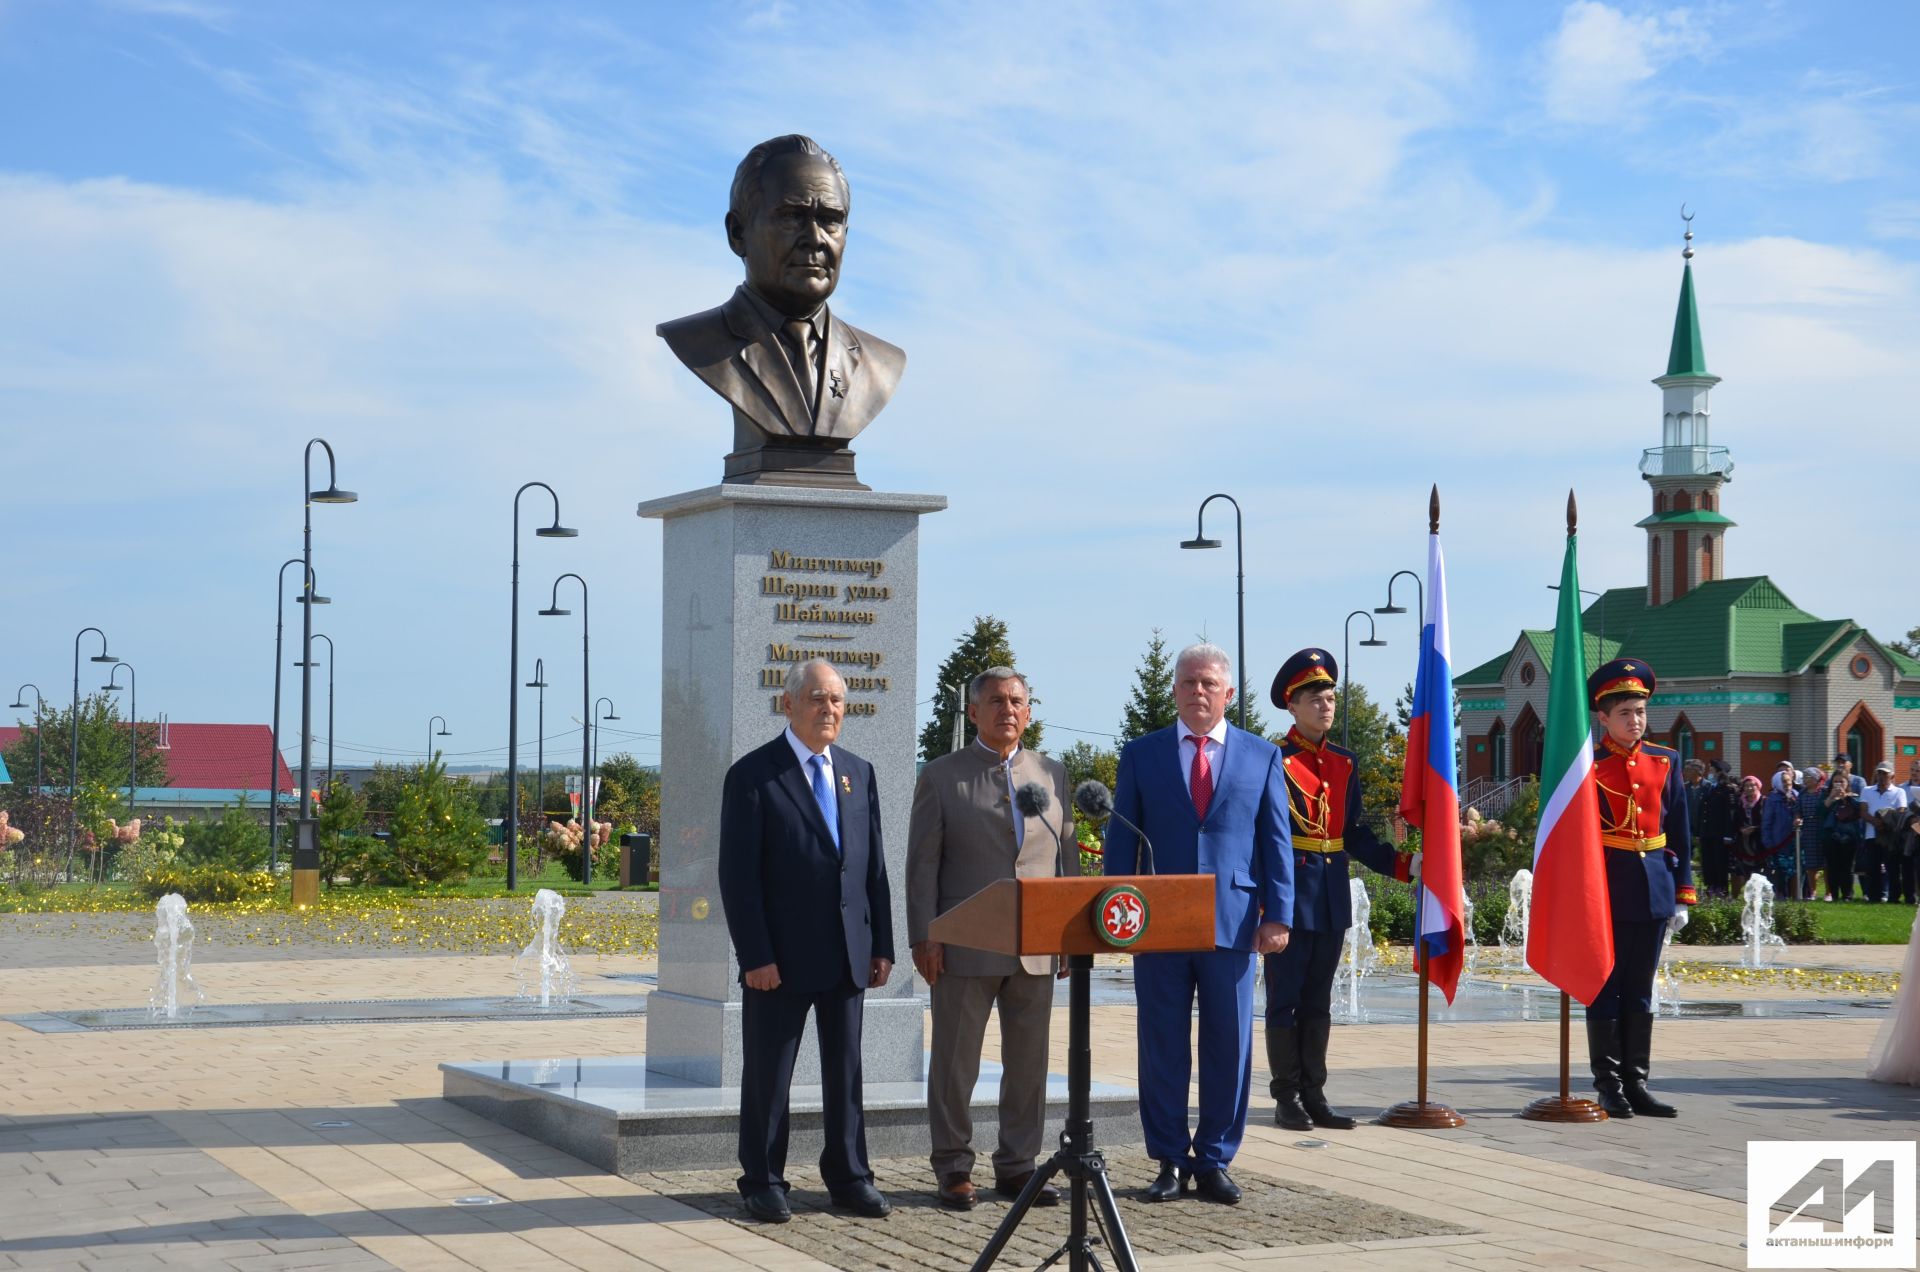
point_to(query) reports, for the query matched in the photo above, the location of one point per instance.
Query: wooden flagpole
(1417, 1114)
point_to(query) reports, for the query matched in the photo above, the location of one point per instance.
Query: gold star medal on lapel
(836, 384)
(846, 785)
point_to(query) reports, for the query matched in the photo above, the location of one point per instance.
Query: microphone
(1034, 800)
(1096, 801)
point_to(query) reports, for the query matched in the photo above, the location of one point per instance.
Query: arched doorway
(1683, 740)
(1497, 751)
(1861, 737)
(1527, 741)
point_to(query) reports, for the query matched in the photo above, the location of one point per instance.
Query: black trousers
(1713, 864)
(1903, 875)
(771, 1023)
(1300, 978)
(1869, 864)
(1636, 957)
(1840, 869)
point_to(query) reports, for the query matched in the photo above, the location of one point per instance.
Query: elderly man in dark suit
(804, 884)
(802, 382)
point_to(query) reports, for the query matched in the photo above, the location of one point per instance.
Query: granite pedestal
(622, 1114)
(756, 579)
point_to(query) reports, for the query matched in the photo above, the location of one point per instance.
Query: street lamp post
(554, 531)
(431, 735)
(1240, 583)
(1346, 669)
(306, 846)
(596, 726)
(553, 610)
(73, 737)
(308, 596)
(39, 710)
(133, 724)
(329, 640)
(1420, 589)
(539, 682)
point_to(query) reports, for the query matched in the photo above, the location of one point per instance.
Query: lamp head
(555, 612)
(609, 716)
(556, 531)
(1389, 609)
(313, 600)
(334, 495)
(1200, 543)
(16, 706)
(106, 658)
(536, 684)
(1372, 643)
(443, 733)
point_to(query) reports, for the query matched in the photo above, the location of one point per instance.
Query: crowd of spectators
(1814, 833)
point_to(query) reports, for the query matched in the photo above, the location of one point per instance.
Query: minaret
(1686, 529)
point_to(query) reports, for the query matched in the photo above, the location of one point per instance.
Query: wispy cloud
(1600, 61)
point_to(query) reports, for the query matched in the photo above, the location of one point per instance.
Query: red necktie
(1200, 783)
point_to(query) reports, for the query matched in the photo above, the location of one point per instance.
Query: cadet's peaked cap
(1308, 667)
(1622, 675)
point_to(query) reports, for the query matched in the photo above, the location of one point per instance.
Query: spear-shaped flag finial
(1433, 510)
(1573, 514)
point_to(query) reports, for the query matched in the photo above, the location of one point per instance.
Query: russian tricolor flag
(1430, 792)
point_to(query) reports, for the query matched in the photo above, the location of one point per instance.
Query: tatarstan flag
(1569, 933)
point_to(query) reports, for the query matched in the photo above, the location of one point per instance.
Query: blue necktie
(823, 796)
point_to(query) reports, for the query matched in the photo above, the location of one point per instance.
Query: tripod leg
(1015, 1213)
(1115, 1230)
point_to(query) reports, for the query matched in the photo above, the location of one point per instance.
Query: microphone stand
(1083, 1165)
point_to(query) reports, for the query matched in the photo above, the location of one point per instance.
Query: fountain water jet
(1513, 932)
(173, 942)
(543, 969)
(1357, 958)
(1756, 924)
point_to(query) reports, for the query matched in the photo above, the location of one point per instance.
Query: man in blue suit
(1211, 799)
(804, 885)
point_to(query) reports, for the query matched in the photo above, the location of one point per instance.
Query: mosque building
(1746, 676)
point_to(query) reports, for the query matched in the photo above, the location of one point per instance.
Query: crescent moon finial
(1686, 251)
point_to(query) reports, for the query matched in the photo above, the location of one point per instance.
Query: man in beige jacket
(968, 831)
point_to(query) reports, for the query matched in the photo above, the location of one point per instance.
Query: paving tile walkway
(219, 1126)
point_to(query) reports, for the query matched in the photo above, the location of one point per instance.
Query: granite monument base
(624, 1116)
(756, 579)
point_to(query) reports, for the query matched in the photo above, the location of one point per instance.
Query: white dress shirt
(805, 757)
(1216, 743)
(1876, 801)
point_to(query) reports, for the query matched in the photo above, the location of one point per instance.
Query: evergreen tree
(104, 747)
(1150, 705)
(1086, 762)
(1381, 764)
(982, 647)
(1256, 723)
(1911, 645)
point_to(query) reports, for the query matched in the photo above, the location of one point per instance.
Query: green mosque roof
(1687, 357)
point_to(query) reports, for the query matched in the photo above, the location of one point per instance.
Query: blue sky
(1317, 256)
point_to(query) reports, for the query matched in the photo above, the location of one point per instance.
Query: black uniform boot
(1603, 1057)
(1314, 1036)
(1283, 1058)
(1637, 1038)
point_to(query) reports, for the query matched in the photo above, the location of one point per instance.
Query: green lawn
(1858, 923)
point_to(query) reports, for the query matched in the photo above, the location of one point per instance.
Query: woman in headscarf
(1780, 832)
(1747, 855)
(1813, 851)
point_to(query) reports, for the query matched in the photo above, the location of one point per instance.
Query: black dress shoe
(1289, 1114)
(1168, 1184)
(1324, 1115)
(1014, 1184)
(862, 1199)
(1214, 1185)
(768, 1205)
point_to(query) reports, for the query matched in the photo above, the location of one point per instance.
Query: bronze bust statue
(802, 383)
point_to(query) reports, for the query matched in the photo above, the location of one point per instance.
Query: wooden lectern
(1078, 917)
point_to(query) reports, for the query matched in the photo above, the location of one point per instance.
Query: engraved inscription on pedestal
(758, 578)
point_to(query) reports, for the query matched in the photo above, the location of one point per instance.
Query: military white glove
(1413, 870)
(1678, 921)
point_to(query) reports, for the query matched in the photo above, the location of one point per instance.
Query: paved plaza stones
(219, 1148)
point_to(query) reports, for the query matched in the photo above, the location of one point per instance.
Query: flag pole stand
(1418, 1114)
(1565, 1107)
